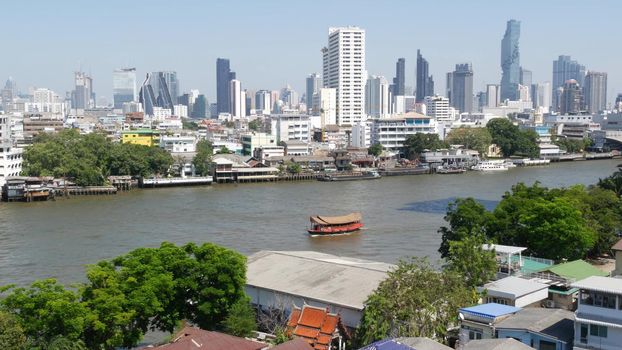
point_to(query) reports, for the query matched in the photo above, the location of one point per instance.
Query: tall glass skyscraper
(462, 88)
(224, 75)
(398, 88)
(565, 69)
(510, 61)
(595, 91)
(425, 83)
(314, 84)
(123, 86)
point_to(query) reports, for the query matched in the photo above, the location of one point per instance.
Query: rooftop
(504, 249)
(196, 338)
(312, 275)
(417, 343)
(600, 284)
(556, 323)
(316, 326)
(513, 287)
(490, 310)
(575, 270)
(294, 344)
(496, 344)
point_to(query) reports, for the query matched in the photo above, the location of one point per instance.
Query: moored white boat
(490, 165)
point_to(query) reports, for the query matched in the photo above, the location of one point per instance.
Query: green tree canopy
(241, 321)
(414, 301)
(11, 333)
(254, 125)
(467, 258)
(415, 144)
(203, 158)
(375, 149)
(466, 218)
(612, 183)
(478, 139)
(512, 140)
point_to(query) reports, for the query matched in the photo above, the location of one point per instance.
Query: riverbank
(402, 215)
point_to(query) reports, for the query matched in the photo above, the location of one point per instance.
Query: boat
(490, 165)
(405, 170)
(335, 225)
(532, 162)
(350, 176)
(509, 164)
(449, 170)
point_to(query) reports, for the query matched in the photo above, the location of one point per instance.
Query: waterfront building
(265, 154)
(398, 88)
(124, 86)
(377, 97)
(564, 69)
(571, 99)
(224, 75)
(263, 104)
(510, 61)
(233, 168)
(145, 137)
(425, 82)
(461, 94)
(314, 84)
(392, 132)
(361, 134)
(344, 70)
(598, 319)
(10, 156)
(82, 96)
(296, 148)
(595, 92)
(437, 107)
(253, 140)
(179, 142)
(282, 279)
(291, 127)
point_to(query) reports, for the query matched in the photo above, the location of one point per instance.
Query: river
(402, 215)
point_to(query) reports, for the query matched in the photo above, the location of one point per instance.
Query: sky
(272, 43)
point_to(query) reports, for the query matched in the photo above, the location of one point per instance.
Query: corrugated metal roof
(496, 344)
(600, 284)
(556, 323)
(575, 270)
(490, 310)
(513, 287)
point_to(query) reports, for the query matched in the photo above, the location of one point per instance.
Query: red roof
(316, 326)
(294, 344)
(193, 338)
(617, 246)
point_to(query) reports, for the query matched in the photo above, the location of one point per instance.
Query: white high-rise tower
(344, 70)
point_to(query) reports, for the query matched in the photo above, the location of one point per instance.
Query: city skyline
(255, 53)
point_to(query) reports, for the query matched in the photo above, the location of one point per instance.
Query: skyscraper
(237, 102)
(166, 87)
(263, 104)
(199, 107)
(462, 88)
(82, 95)
(123, 86)
(510, 61)
(398, 88)
(314, 84)
(493, 96)
(595, 91)
(571, 99)
(147, 96)
(344, 70)
(565, 69)
(224, 75)
(377, 97)
(425, 83)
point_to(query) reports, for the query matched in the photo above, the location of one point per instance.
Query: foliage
(612, 183)
(45, 311)
(189, 124)
(573, 146)
(512, 140)
(478, 139)
(293, 168)
(11, 333)
(375, 149)
(224, 150)
(60, 343)
(229, 124)
(203, 158)
(414, 301)
(415, 144)
(89, 159)
(254, 125)
(281, 335)
(241, 320)
(466, 218)
(468, 259)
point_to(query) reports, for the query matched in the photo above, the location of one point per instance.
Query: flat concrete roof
(323, 277)
(513, 287)
(504, 249)
(600, 284)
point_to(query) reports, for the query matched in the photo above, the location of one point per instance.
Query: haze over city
(274, 43)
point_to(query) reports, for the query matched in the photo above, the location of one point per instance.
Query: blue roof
(387, 344)
(490, 310)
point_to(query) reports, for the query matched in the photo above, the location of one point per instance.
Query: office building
(510, 61)
(155, 92)
(425, 83)
(564, 69)
(493, 95)
(437, 107)
(82, 95)
(571, 99)
(344, 70)
(462, 88)
(449, 83)
(263, 104)
(314, 84)
(391, 133)
(237, 103)
(123, 86)
(166, 88)
(595, 92)
(287, 127)
(377, 97)
(398, 88)
(543, 96)
(326, 102)
(224, 75)
(199, 107)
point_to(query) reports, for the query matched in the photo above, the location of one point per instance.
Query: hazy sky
(271, 43)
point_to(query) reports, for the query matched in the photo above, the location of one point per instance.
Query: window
(597, 331)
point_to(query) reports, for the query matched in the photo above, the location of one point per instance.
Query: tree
(203, 158)
(612, 183)
(11, 332)
(294, 168)
(45, 311)
(241, 320)
(375, 149)
(254, 125)
(512, 140)
(224, 150)
(188, 124)
(466, 218)
(478, 139)
(415, 144)
(467, 258)
(414, 301)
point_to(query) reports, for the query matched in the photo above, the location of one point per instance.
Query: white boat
(490, 165)
(509, 164)
(532, 162)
